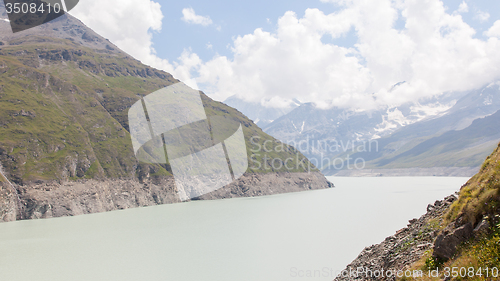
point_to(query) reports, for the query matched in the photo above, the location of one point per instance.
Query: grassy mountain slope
(478, 204)
(64, 99)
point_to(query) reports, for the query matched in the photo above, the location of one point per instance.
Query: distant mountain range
(462, 137)
(452, 130)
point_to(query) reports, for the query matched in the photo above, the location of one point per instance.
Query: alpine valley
(448, 135)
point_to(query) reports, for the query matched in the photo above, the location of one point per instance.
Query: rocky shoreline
(399, 251)
(411, 172)
(47, 200)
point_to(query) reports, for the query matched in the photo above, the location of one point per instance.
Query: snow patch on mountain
(394, 118)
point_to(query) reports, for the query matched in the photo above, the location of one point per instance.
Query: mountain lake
(279, 237)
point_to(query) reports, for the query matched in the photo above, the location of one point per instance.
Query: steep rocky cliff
(46, 200)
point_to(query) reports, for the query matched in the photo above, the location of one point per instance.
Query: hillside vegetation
(478, 204)
(64, 99)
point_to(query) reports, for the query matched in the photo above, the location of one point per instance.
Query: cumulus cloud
(435, 52)
(293, 62)
(482, 16)
(494, 31)
(463, 7)
(189, 16)
(127, 25)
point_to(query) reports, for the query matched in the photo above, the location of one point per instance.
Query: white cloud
(189, 16)
(463, 8)
(127, 25)
(482, 16)
(494, 31)
(184, 67)
(293, 61)
(436, 52)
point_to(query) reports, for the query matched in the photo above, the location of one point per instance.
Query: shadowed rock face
(8, 206)
(94, 196)
(446, 243)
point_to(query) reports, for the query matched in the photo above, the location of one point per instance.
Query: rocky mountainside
(461, 233)
(65, 147)
(410, 147)
(401, 137)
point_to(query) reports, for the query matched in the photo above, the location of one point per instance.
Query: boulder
(482, 226)
(446, 243)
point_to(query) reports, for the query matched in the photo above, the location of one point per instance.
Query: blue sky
(237, 18)
(346, 53)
